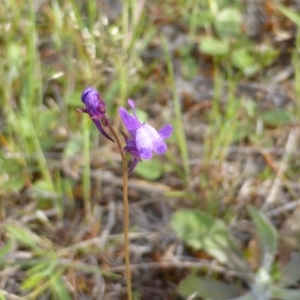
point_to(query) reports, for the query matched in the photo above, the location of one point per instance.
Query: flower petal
(160, 147)
(132, 149)
(86, 92)
(147, 140)
(166, 131)
(131, 104)
(131, 122)
(145, 153)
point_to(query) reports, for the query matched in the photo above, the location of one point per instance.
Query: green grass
(57, 175)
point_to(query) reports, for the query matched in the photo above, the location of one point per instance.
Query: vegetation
(217, 216)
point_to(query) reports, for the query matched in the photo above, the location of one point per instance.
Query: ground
(216, 217)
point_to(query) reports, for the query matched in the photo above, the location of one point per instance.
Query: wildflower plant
(141, 140)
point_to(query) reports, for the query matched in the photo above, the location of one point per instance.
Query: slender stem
(126, 213)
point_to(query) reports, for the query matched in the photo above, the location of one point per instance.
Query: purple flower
(95, 108)
(143, 138)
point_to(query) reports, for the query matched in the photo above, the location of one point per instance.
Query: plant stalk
(126, 212)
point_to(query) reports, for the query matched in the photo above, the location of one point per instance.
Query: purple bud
(94, 104)
(95, 108)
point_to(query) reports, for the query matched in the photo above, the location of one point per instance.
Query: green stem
(126, 212)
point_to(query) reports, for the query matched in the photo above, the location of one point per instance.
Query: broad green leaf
(12, 177)
(267, 235)
(200, 18)
(201, 231)
(14, 183)
(150, 170)
(267, 55)
(207, 288)
(245, 61)
(213, 46)
(290, 14)
(290, 273)
(228, 21)
(242, 131)
(277, 117)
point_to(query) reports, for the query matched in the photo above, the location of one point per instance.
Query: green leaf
(26, 237)
(12, 178)
(201, 231)
(267, 235)
(213, 46)
(15, 183)
(35, 279)
(42, 188)
(267, 55)
(245, 61)
(290, 273)
(150, 170)
(59, 288)
(207, 288)
(201, 18)
(242, 131)
(277, 117)
(6, 248)
(228, 21)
